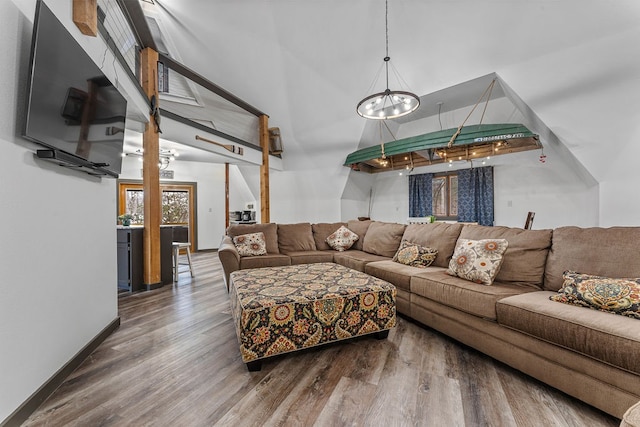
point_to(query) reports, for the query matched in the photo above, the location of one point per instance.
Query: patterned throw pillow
(477, 260)
(251, 244)
(619, 296)
(342, 239)
(415, 255)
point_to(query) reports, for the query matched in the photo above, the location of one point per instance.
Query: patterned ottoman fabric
(282, 309)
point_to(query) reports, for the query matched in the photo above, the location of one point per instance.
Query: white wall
(58, 256)
(556, 190)
(210, 204)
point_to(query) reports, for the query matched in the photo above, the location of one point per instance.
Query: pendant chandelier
(388, 104)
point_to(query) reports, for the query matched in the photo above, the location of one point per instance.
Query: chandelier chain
(386, 26)
(386, 33)
(388, 104)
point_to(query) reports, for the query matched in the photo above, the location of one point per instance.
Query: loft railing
(185, 95)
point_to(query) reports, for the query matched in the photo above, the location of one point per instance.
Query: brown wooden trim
(138, 22)
(265, 208)
(151, 173)
(85, 16)
(197, 78)
(30, 405)
(226, 196)
(189, 187)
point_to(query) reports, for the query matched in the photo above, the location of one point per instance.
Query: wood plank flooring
(175, 362)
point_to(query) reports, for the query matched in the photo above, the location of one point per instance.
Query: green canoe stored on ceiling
(474, 141)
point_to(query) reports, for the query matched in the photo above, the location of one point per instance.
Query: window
(178, 204)
(444, 190)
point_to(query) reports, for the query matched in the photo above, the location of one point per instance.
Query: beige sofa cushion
(360, 228)
(322, 230)
(270, 231)
(268, 260)
(356, 260)
(438, 235)
(609, 252)
(395, 273)
(310, 257)
(383, 238)
(524, 261)
(295, 237)
(603, 336)
(472, 298)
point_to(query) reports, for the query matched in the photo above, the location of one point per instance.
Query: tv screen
(72, 105)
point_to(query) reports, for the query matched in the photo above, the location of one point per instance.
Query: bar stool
(176, 258)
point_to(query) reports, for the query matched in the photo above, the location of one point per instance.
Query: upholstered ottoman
(282, 309)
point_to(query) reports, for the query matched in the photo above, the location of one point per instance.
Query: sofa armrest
(229, 257)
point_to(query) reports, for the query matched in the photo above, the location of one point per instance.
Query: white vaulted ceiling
(575, 63)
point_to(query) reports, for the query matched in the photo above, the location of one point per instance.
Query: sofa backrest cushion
(383, 238)
(438, 235)
(295, 237)
(609, 252)
(270, 231)
(524, 261)
(322, 230)
(360, 228)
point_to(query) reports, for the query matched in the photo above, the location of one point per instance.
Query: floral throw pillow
(251, 244)
(415, 255)
(477, 260)
(619, 296)
(342, 239)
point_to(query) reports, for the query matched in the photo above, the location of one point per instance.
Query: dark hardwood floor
(175, 362)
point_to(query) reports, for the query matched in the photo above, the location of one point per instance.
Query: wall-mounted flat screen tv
(72, 105)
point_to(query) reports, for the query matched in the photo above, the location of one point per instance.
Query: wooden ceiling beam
(151, 175)
(85, 16)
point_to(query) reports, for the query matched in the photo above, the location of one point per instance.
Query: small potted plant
(125, 219)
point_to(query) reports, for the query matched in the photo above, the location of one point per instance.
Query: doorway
(178, 206)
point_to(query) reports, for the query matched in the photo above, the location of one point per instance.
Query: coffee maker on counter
(243, 217)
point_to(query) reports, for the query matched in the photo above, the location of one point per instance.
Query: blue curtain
(420, 197)
(475, 195)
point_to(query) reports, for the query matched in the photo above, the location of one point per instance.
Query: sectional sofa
(589, 354)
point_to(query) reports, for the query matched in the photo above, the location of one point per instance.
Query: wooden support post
(226, 196)
(264, 170)
(85, 16)
(151, 176)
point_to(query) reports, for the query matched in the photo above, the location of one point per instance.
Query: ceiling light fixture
(164, 157)
(388, 104)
